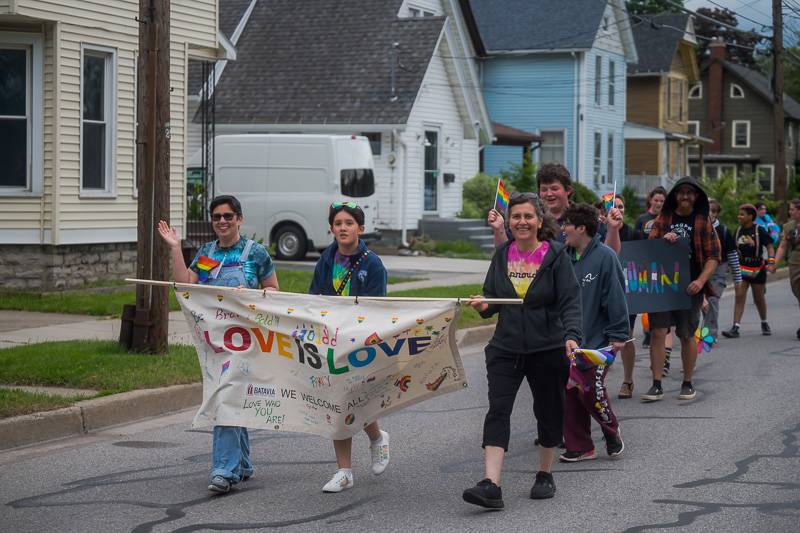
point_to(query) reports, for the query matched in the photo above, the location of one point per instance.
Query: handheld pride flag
(501, 198)
(205, 265)
(604, 356)
(608, 201)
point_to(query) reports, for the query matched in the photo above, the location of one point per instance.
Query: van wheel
(290, 243)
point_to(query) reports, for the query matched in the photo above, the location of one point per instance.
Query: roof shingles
(657, 40)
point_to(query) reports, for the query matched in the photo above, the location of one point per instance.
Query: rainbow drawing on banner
(205, 265)
(652, 278)
(608, 201)
(501, 199)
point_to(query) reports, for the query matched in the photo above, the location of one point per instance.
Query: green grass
(469, 317)
(17, 402)
(109, 303)
(100, 365)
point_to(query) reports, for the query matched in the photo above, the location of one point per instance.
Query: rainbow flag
(595, 357)
(205, 265)
(501, 198)
(608, 201)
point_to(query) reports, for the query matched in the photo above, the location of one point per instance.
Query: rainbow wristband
(771, 261)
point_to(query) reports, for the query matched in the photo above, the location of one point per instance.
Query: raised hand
(495, 220)
(170, 235)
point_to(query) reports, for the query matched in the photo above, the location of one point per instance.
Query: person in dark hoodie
(605, 322)
(348, 268)
(531, 341)
(685, 215)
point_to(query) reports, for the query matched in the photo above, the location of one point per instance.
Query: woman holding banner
(530, 341)
(348, 268)
(231, 261)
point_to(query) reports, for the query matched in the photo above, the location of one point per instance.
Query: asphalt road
(728, 461)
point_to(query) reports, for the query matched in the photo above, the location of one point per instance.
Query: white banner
(317, 364)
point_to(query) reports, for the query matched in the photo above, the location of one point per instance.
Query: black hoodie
(551, 312)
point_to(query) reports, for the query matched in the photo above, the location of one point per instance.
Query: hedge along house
(557, 68)
(68, 200)
(657, 136)
(732, 105)
(400, 72)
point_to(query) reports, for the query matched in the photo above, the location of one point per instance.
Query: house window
(610, 159)
(598, 71)
(552, 149)
(766, 177)
(669, 98)
(694, 171)
(682, 111)
(97, 120)
(717, 171)
(598, 146)
(740, 136)
(790, 137)
(611, 82)
(696, 92)
(605, 23)
(736, 91)
(374, 142)
(21, 144)
(693, 127)
(417, 12)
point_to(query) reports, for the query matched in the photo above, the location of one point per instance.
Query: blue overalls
(231, 448)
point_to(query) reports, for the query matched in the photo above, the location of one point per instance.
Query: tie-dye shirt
(522, 266)
(341, 266)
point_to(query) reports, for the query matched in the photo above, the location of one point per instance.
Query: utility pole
(777, 110)
(150, 322)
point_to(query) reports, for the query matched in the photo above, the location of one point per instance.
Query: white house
(68, 206)
(401, 72)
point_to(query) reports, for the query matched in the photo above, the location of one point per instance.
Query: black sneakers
(486, 494)
(765, 328)
(614, 446)
(543, 487)
(732, 333)
(798, 333)
(653, 394)
(574, 457)
(687, 392)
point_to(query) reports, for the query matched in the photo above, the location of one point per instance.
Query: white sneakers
(380, 453)
(343, 478)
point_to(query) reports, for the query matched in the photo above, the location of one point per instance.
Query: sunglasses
(525, 195)
(216, 217)
(338, 205)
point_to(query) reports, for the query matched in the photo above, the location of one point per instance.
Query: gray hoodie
(605, 310)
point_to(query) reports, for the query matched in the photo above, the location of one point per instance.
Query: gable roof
(507, 25)
(761, 85)
(230, 13)
(326, 61)
(657, 38)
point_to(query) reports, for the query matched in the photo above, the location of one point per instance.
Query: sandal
(626, 391)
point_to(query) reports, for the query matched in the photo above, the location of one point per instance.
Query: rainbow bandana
(205, 266)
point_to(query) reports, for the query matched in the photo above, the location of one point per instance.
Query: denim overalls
(231, 448)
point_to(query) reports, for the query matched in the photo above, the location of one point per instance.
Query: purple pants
(584, 403)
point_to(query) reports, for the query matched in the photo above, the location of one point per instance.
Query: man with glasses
(230, 261)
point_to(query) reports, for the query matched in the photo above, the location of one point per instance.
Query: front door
(431, 146)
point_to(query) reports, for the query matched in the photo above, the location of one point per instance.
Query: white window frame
(689, 124)
(34, 110)
(733, 133)
(696, 91)
(597, 166)
(610, 157)
(612, 83)
(563, 133)
(771, 174)
(790, 136)
(740, 96)
(110, 114)
(417, 11)
(598, 73)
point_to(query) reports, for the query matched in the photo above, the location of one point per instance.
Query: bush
(731, 193)
(521, 177)
(478, 196)
(582, 194)
(632, 207)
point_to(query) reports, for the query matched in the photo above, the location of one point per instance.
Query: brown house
(732, 105)
(656, 129)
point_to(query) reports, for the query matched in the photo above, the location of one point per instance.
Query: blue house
(557, 68)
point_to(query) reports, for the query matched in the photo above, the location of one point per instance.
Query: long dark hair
(549, 228)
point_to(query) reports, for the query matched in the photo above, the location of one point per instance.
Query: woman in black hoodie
(530, 341)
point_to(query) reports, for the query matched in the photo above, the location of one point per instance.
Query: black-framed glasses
(351, 205)
(216, 217)
(524, 196)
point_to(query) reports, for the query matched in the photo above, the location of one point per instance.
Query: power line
(715, 21)
(740, 16)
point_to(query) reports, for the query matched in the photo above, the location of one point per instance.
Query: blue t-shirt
(258, 265)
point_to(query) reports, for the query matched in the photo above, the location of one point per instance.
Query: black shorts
(684, 320)
(759, 279)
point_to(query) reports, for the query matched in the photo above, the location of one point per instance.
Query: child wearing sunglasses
(348, 268)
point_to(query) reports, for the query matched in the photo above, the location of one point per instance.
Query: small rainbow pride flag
(205, 265)
(608, 201)
(501, 198)
(595, 357)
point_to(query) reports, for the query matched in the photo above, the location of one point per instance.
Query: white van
(286, 183)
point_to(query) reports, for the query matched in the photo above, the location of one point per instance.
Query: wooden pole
(779, 172)
(150, 321)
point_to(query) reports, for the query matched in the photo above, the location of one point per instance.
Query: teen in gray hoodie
(605, 322)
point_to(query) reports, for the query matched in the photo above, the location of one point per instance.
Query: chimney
(714, 91)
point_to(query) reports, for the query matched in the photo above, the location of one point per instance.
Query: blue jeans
(231, 453)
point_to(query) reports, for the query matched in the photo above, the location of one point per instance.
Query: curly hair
(582, 215)
(552, 172)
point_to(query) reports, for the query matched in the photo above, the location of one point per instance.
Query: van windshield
(358, 182)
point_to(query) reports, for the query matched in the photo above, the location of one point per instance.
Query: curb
(100, 413)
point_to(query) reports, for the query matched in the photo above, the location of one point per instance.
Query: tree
(735, 39)
(652, 7)
(521, 176)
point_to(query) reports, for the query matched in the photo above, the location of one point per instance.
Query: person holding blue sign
(348, 268)
(229, 261)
